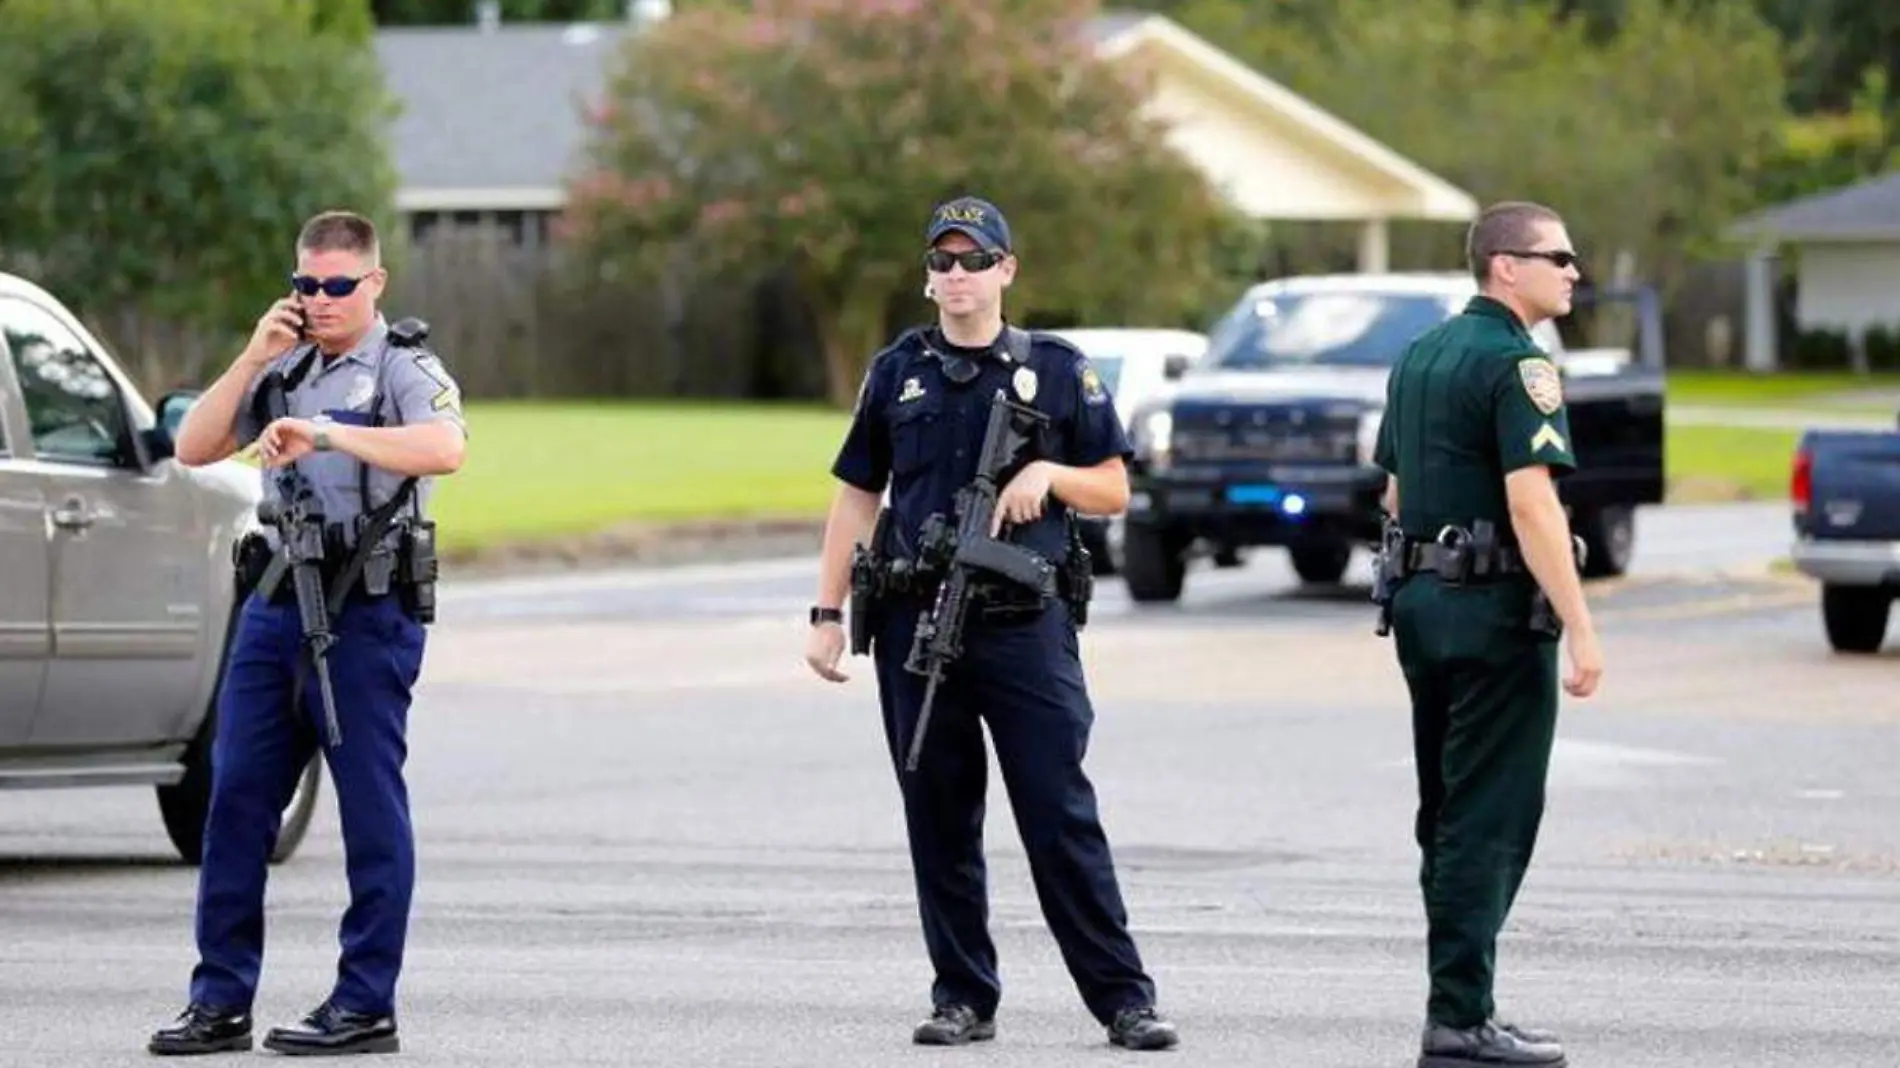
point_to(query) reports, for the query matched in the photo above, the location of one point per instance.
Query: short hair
(1506, 226)
(339, 231)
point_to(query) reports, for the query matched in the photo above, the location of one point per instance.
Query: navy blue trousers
(259, 751)
(1025, 681)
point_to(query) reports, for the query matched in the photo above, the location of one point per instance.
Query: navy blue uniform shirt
(920, 434)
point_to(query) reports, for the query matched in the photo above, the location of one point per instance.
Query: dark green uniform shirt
(1468, 402)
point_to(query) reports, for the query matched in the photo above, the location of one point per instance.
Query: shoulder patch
(1542, 382)
(1093, 392)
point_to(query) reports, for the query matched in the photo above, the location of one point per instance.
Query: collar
(997, 349)
(370, 343)
(1492, 308)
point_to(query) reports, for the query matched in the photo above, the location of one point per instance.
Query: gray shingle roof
(1867, 210)
(496, 110)
(502, 110)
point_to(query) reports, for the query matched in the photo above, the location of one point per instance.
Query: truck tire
(1154, 565)
(1321, 563)
(1609, 533)
(185, 805)
(1855, 617)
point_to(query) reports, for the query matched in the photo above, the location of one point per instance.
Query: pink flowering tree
(819, 133)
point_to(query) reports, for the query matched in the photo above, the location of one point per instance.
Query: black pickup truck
(1268, 439)
(1846, 496)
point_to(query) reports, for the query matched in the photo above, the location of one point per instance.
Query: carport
(1274, 153)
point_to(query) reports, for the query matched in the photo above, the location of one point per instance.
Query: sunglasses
(972, 261)
(338, 286)
(1561, 257)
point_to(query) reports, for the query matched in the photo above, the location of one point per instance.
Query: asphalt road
(647, 835)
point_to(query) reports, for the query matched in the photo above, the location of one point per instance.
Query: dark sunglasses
(338, 286)
(973, 261)
(1561, 257)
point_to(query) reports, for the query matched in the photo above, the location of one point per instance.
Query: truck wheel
(1855, 617)
(186, 804)
(1321, 563)
(1610, 536)
(1154, 565)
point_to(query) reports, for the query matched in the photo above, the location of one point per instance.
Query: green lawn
(545, 470)
(1728, 463)
(1790, 390)
(538, 470)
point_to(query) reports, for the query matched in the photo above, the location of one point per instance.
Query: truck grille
(1266, 436)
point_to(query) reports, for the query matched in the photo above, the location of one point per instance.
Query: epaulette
(1056, 341)
(409, 333)
(908, 343)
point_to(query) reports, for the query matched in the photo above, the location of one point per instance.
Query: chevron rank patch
(1548, 437)
(1542, 383)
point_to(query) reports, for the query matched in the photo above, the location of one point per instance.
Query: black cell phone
(303, 320)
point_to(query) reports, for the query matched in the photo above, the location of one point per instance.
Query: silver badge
(361, 391)
(1025, 383)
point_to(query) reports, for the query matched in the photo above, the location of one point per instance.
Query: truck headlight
(1369, 435)
(1154, 434)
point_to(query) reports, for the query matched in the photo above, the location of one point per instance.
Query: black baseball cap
(974, 217)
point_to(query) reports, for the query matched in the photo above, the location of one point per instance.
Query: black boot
(330, 1030)
(1141, 1028)
(1486, 1045)
(953, 1025)
(203, 1029)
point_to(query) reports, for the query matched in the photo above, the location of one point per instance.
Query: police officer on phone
(368, 417)
(918, 431)
(1485, 580)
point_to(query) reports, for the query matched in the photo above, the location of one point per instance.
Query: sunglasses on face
(1562, 257)
(339, 286)
(973, 261)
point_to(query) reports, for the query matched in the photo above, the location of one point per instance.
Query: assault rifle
(967, 554)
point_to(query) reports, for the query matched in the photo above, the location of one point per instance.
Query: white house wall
(1268, 173)
(1848, 286)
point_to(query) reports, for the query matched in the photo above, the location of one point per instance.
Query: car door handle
(72, 515)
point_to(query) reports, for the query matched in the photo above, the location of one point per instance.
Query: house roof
(1865, 211)
(492, 118)
(1433, 197)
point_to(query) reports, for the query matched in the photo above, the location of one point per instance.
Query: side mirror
(161, 440)
(1174, 367)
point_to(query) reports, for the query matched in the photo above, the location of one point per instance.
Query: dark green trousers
(1484, 713)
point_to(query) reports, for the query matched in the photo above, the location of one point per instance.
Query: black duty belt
(253, 558)
(1432, 556)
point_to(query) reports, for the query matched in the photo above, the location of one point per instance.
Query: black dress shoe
(953, 1025)
(1533, 1035)
(203, 1029)
(1141, 1028)
(1486, 1045)
(330, 1030)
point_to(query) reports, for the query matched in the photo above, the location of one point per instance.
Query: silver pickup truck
(116, 585)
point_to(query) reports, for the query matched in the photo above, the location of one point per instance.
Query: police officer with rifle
(352, 418)
(968, 598)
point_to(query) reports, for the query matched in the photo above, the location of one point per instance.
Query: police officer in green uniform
(1474, 432)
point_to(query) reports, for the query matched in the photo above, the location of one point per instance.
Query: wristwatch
(322, 440)
(820, 614)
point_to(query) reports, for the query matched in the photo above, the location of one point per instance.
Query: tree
(818, 134)
(1648, 137)
(161, 156)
